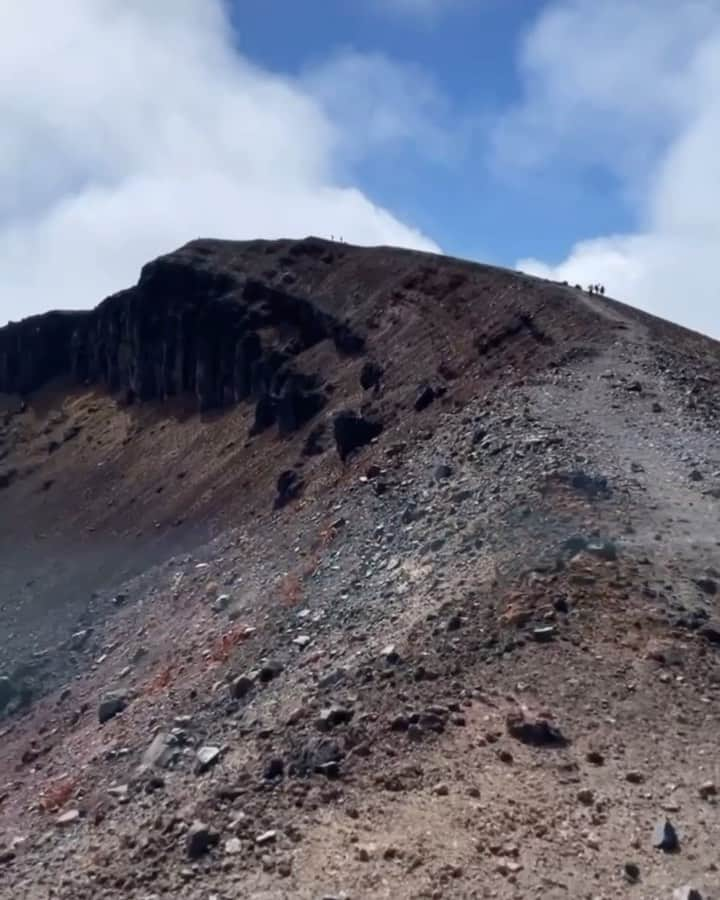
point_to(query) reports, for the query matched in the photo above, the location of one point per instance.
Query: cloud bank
(131, 127)
(631, 88)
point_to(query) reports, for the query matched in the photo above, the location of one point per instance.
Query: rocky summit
(341, 572)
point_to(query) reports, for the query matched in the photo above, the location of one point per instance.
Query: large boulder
(8, 691)
(353, 431)
(289, 487)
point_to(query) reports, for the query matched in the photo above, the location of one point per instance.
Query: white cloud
(379, 104)
(634, 88)
(131, 127)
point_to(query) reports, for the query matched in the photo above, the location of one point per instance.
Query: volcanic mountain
(329, 571)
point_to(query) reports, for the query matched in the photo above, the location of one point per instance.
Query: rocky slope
(342, 572)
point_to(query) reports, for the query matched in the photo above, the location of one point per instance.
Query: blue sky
(469, 51)
(572, 139)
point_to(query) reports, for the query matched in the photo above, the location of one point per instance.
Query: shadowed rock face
(187, 327)
(37, 349)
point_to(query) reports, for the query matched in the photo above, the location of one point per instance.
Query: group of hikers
(596, 289)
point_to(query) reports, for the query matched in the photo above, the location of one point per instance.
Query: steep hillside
(329, 571)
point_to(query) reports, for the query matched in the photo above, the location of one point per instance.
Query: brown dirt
(459, 568)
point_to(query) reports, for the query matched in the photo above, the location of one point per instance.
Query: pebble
(110, 706)
(708, 789)
(240, 687)
(687, 893)
(205, 758)
(275, 768)
(267, 837)
(233, 846)
(199, 840)
(545, 634)
(332, 716)
(390, 654)
(665, 837)
(365, 852)
(222, 601)
(631, 871)
(284, 868)
(68, 818)
(270, 671)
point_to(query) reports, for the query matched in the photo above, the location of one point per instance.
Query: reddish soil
(480, 656)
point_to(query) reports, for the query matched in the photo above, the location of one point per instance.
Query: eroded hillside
(330, 571)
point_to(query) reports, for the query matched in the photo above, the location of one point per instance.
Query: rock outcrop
(190, 326)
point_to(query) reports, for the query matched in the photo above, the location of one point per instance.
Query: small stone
(687, 893)
(390, 655)
(711, 631)
(275, 768)
(508, 867)
(205, 758)
(120, 792)
(365, 852)
(222, 601)
(68, 818)
(199, 840)
(154, 783)
(233, 846)
(266, 838)
(441, 790)
(370, 375)
(240, 687)
(695, 475)
(110, 706)
(424, 398)
(284, 868)
(79, 639)
(454, 623)
(586, 797)
(160, 753)
(708, 790)
(595, 758)
(332, 716)
(604, 549)
(631, 872)
(536, 733)
(707, 585)
(302, 640)
(544, 634)
(270, 671)
(635, 777)
(665, 837)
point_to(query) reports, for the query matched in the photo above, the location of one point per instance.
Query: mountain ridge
(422, 605)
